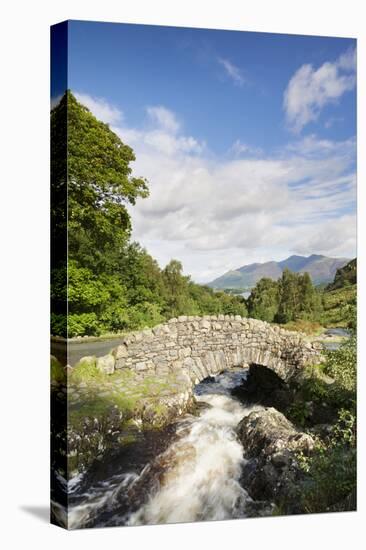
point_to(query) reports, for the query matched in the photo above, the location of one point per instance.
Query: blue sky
(247, 139)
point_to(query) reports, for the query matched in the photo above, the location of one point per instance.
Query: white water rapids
(201, 470)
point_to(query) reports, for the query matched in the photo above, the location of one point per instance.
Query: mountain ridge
(321, 269)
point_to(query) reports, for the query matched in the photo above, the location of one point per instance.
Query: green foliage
(264, 300)
(292, 298)
(82, 324)
(58, 374)
(307, 327)
(58, 324)
(299, 299)
(339, 298)
(340, 307)
(331, 468)
(99, 187)
(341, 364)
(86, 371)
(299, 413)
(345, 276)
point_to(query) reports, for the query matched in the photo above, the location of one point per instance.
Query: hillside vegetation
(294, 301)
(345, 276)
(338, 306)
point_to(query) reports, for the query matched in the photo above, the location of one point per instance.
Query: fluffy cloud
(164, 118)
(232, 71)
(162, 134)
(238, 211)
(218, 214)
(100, 108)
(310, 89)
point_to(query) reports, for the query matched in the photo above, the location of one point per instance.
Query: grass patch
(86, 371)
(312, 328)
(338, 306)
(58, 373)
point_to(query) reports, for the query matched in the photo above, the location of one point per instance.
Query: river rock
(271, 442)
(266, 432)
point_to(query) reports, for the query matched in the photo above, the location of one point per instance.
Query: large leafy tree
(299, 299)
(91, 186)
(100, 185)
(264, 300)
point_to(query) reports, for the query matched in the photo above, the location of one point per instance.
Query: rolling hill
(322, 269)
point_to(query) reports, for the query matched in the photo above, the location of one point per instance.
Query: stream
(196, 477)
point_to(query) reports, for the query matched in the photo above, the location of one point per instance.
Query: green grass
(86, 371)
(58, 373)
(337, 304)
(141, 394)
(312, 328)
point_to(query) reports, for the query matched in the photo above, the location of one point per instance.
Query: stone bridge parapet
(197, 347)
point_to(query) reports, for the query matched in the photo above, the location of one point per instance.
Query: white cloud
(238, 211)
(239, 148)
(347, 61)
(162, 134)
(100, 108)
(310, 89)
(232, 71)
(216, 214)
(164, 118)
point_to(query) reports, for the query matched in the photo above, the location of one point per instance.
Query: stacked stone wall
(198, 347)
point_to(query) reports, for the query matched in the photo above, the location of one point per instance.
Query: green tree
(299, 299)
(289, 305)
(100, 185)
(264, 300)
(178, 299)
(90, 168)
(310, 299)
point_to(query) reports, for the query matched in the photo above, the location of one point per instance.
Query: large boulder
(270, 444)
(268, 433)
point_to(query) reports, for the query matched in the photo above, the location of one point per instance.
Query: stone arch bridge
(197, 347)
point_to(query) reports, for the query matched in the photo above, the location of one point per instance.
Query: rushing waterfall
(196, 478)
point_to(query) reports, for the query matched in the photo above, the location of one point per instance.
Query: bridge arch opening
(263, 386)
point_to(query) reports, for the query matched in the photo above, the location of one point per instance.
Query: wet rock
(266, 432)
(259, 508)
(271, 443)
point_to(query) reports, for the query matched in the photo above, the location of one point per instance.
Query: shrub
(331, 469)
(81, 324)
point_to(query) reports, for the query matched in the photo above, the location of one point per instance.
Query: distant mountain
(320, 268)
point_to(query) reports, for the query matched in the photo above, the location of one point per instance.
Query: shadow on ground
(40, 512)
